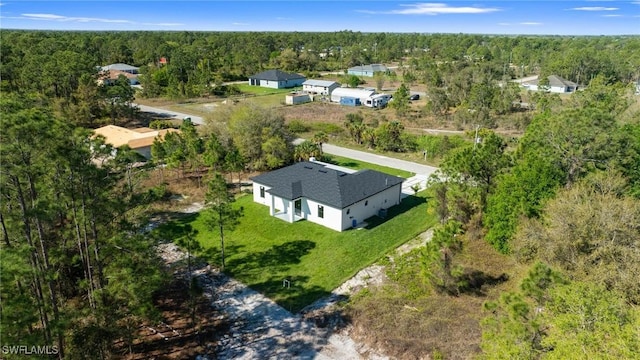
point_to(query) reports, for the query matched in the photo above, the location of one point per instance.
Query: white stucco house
(556, 85)
(276, 79)
(325, 195)
(319, 87)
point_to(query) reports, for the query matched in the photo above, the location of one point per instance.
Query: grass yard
(263, 251)
(358, 165)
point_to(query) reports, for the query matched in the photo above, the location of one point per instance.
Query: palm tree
(305, 150)
(320, 138)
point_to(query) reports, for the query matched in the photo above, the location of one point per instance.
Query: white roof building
(362, 94)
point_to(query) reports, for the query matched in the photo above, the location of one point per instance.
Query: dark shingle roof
(327, 186)
(276, 75)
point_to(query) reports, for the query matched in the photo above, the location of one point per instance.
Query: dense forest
(561, 203)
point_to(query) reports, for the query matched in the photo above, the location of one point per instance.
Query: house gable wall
(360, 212)
(256, 194)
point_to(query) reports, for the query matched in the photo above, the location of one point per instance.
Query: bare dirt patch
(175, 337)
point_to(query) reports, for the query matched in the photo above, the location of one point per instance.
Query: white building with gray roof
(367, 70)
(319, 87)
(121, 67)
(556, 85)
(325, 195)
(276, 79)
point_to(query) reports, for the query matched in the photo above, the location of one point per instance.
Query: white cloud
(62, 18)
(531, 23)
(433, 9)
(54, 17)
(595, 8)
(504, 24)
(612, 15)
(240, 24)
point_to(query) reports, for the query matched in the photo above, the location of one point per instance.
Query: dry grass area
(407, 319)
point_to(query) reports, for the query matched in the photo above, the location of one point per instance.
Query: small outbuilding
(297, 98)
(276, 79)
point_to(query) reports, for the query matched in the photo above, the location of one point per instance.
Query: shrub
(297, 127)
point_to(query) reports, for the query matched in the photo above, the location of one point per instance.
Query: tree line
(53, 63)
(77, 270)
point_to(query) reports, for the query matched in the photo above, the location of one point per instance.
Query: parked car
(414, 97)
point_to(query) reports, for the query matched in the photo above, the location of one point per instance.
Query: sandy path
(261, 329)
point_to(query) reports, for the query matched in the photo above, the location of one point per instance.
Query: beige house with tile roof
(139, 139)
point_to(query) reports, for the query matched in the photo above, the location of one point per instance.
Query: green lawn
(358, 165)
(263, 251)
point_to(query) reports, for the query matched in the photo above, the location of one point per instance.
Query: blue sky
(586, 17)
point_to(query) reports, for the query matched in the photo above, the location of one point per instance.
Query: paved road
(422, 172)
(169, 114)
(379, 159)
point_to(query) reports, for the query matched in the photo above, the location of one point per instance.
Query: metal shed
(362, 94)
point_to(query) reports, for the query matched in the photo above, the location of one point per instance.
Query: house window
(262, 191)
(348, 211)
(366, 202)
(321, 211)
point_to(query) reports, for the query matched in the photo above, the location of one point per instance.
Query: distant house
(121, 67)
(556, 85)
(324, 195)
(357, 93)
(139, 140)
(366, 70)
(276, 79)
(638, 87)
(109, 77)
(319, 87)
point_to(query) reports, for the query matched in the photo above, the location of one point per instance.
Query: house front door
(298, 207)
